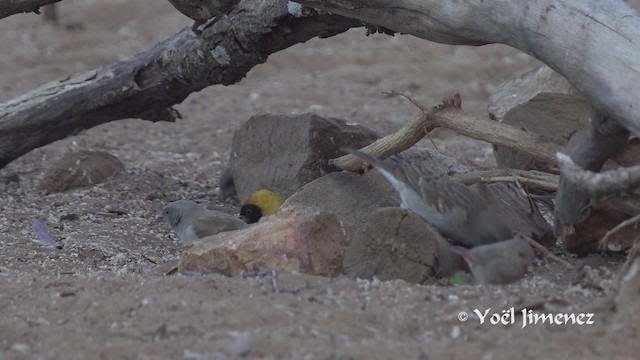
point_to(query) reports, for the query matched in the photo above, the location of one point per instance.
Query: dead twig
(449, 114)
(544, 251)
(532, 178)
(408, 97)
(632, 221)
(148, 259)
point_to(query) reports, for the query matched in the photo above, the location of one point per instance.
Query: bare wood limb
(8, 8)
(494, 133)
(450, 115)
(546, 253)
(588, 149)
(391, 144)
(599, 185)
(147, 85)
(604, 243)
(594, 44)
(532, 178)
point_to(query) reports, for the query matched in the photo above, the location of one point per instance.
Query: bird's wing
(450, 196)
(411, 173)
(212, 225)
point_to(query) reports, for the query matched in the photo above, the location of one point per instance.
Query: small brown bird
(260, 203)
(202, 10)
(458, 212)
(498, 263)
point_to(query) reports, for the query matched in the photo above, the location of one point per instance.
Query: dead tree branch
(594, 44)
(599, 185)
(147, 85)
(589, 149)
(531, 178)
(450, 115)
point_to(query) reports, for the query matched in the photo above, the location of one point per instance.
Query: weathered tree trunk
(595, 44)
(589, 149)
(11, 7)
(147, 85)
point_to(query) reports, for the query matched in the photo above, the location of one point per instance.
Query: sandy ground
(101, 295)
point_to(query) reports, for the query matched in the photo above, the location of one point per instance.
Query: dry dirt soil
(101, 294)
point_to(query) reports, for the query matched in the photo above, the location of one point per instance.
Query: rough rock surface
(395, 244)
(350, 196)
(521, 89)
(554, 116)
(282, 153)
(292, 240)
(80, 169)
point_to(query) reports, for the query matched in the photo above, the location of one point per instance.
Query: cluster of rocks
(335, 222)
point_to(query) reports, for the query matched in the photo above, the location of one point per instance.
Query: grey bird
(458, 212)
(499, 263)
(201, 11)
(192, 222)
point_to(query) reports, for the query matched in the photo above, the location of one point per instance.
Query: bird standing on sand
(192, 222)
(458, 212)
(498, 263)
(259, 204)
(202, 10)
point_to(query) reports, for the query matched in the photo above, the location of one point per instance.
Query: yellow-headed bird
(260, 203)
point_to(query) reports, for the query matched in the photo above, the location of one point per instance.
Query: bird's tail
(366, 157)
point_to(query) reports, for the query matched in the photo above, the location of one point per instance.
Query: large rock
(293, 241)
(397, 244)
(553, 116)
(80, 169)
(282, 153)
(350, 196)
(541, 101)
(521, 89)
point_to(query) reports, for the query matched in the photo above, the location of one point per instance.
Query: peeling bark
(147, 85)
